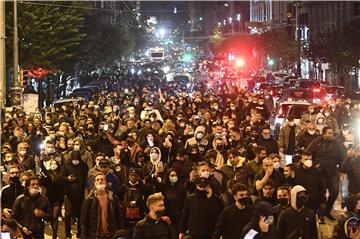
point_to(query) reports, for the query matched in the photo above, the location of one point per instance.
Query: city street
(180, 119)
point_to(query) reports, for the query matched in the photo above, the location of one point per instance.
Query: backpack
(132, 204)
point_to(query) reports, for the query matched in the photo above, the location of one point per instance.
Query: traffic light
(23, 74)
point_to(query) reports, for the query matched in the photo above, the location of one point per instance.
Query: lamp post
(15, 90)
(2, 54)
(238, 18)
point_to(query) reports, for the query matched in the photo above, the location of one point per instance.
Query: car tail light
(271, 92)
(289, 99)
(316, 90)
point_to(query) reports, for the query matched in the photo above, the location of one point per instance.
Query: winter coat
(9, 193)
(75, 189)
(231, 222)
(313, 181)
(200, 215)
(351, 166)
(294, 223)
(23, 211)
(91, 215)
(283, 140)
(328, 154)
(151, 229)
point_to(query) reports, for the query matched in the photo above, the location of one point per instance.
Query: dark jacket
(28, 163)
(23, 211)
(54, 184)
(312, 180)
(151, 229)
(351, 166)
(231, 222)
(200, 214)
(294, 222)
(304, 139)
(90, 215)
(9, 193)
(328, 154)
(76, 188)
(271, 145)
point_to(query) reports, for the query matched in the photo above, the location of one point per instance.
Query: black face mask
(283, 201)
(246, 201)
(201, 193)
(301, 201)
(219, 147)
(194, 157)
(160, 213)
(15, 179)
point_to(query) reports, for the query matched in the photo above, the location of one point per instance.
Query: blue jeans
(344, 187)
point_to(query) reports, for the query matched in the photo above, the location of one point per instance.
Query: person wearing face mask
(345, 130)
(352, 212)
(48, 155)
(149, 142)
(283, 198)
(174, 193)
(11, 191)
(154, 168)
(304, 176)
(297, 221)
(148, 110)
(86, 156)
(100, 212)
(75, 174)
(155, 224)
(287, 137)
(310, 115)
(307, 136)
(201, 211)
(133, 204)
(31, 210)
(199, 139)
(217, 153)
(328, 154)
(330, 120)
(25, 160)
(53, 183)
(267, 141)
(320, 122)
(235, 217)
(261, 223)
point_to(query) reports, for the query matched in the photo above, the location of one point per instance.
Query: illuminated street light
(224, 22)
(200, 18)
(271, 62)
(230, 20)
(238, 17)
(162, 32)
(219, 24)
(175, 10)
(240, 62)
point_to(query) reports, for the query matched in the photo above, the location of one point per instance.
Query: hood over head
(295, 190)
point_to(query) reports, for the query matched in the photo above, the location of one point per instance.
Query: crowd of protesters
(157, 162)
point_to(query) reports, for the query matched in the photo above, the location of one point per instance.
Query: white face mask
(291, 123)
(327, 114)
(347, 143)
(173, 179)
(204, 174)
(100, 187)
(75, 162)
(50, 150)
(76, 147)
(199, 135)
(22, 152)
(53, 166)
(308, 163)
(276, 165)
(33, 191)
(320, 121)
(311, 132)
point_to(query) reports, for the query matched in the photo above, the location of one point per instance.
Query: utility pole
(2, 54)
(298, 36)
(16, 90)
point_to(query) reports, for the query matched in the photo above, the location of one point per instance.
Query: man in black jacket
(201, 211)
(269, 143)
(11, 191)
(155, 225)
(328, 155)
(75, 173)
(233, 218)
(297, 221)
(31, 209)
(351, 166)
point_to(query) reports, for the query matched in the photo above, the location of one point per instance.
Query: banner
(30, 102)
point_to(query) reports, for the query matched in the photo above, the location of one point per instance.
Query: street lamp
(230, 20)
(224, 22)
(238, 17)
(162, 32)
(219, 24)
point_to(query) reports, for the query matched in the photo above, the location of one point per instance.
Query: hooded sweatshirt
(202, 143)
(294, 222)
